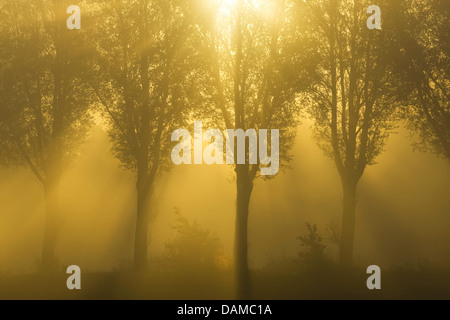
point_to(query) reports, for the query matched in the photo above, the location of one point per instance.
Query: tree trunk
(53, 159)
(348, 222)
(141, 234)
(244, 191)
(48, 261)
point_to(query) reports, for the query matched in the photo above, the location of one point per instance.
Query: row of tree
(151, 66)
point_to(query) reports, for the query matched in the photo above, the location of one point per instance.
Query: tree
(251, 78)
(145, 82)
(44, 108)
(421, 64)
(351, 100)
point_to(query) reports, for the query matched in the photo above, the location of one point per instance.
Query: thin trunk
(348, 222)
(348, 175)
(53, 159)
(51, 193)
(143, 191)
(244, 191)
(141, 235)
(243, 183)
(334, 93)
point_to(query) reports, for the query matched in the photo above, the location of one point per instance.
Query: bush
(313, 256)
(193, 248)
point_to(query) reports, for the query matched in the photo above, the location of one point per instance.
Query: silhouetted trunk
(244, 191)
(51, 193)
(144, 195)
(141, 235)
(348, 222)
(143, 190)
(53, 158)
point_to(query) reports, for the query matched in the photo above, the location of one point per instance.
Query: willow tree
(351, 102)
(144, 82)
(43, 109)
(251, 78)
(421, 60)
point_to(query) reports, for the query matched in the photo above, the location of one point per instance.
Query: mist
(94, 95)
(400, 220)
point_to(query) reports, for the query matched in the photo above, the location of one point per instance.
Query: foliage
(146, 77)
(44, 111)
(421, 61)
(250, 71)
(350, 101)
(193, 248)
(313, 257)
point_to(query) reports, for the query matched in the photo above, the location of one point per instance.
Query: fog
(93, 97)
(402, 208)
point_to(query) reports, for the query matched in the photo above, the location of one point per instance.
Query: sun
(230, 4)
(227, 8)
